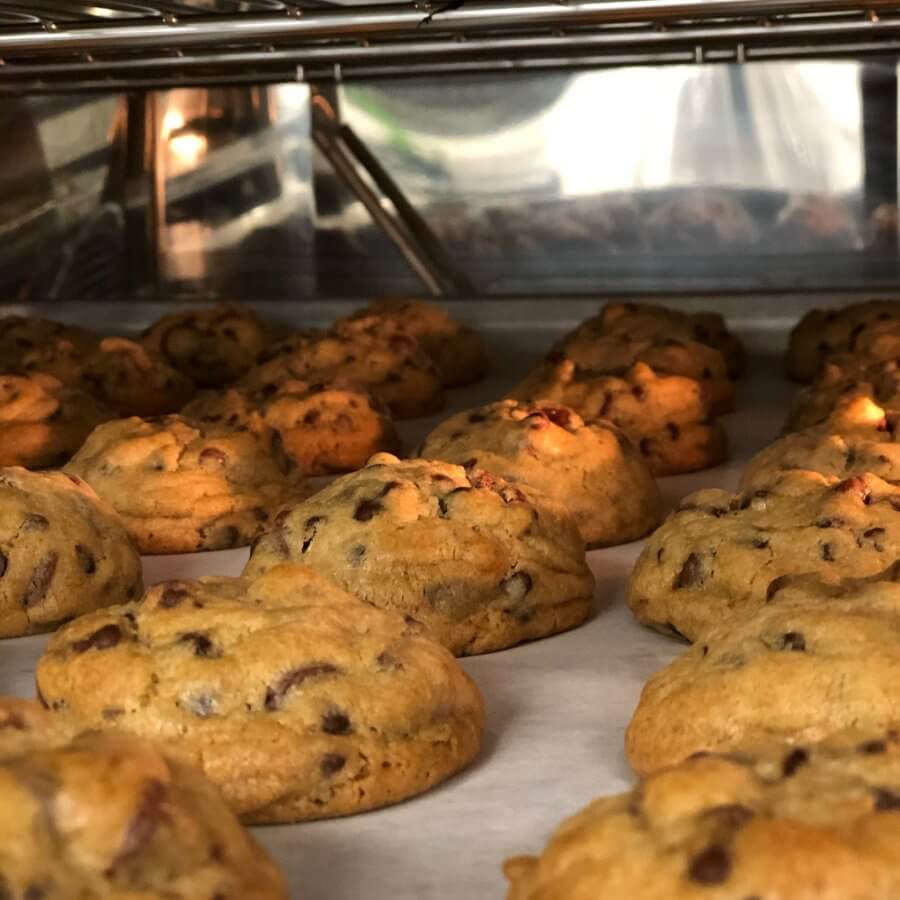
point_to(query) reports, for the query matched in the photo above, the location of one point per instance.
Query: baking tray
(556, 708)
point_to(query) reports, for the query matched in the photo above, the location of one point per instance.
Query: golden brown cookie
(858, 437)
(720, 553)
(126, 377)
(701, 219)
(391, 366)
(63, 552)
(181, 485)
(30, 345)
(481, 564)
(212, 346)
(111, 816)
(667, 416)
(455, 349)
(591, 470)
(822, 333)
(789, 823)
(42, 422)
(325, 429)
(296, 699)
(816, 660)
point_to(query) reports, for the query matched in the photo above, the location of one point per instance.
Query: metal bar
(407, 212)
(381, 21)
(394, 230)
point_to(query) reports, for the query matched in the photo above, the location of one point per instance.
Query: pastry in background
(809, 822)
(392, 367)
(29, 344)
(42, 422)
(481, 562)
(701, 221)
(63, 552)
(667, 416)
(822, 333)
(858, 437)
(815, 223)
(325, 429)
(881, 229)
(456, 350)
(591, 470)
(112, 816)
(720, 554)
(816, 660)
(212, 346)
(180, 485)
(129, 379)
(296, 699)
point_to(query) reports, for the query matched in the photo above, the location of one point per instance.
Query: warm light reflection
(173, 120)
(188, 148)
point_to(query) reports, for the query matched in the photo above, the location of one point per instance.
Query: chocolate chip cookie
(181, 485)
(212, 346)
(858, 437)
(391, 366)
(591, 470)
(126, 377)
(474, 558)
(815, 822)
(817, 659)
(721, 553)
(297, 700)
(667, 416)
(111, 816)
(822, 333)
(325, 429)
(63, 552)
(30, 344)
(455, 349)
(42, 422)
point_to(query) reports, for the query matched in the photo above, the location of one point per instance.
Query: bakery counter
(556, 708)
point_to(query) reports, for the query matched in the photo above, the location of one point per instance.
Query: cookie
(42, 422)
(456, 350)
(701, 220)
(822, 333)
(111, 816)
(326, 429)
(720, 553)
(29, 344)
(815, 223)
(392, 367)
(476, 560)
(816, 660)
(63, 552)
(591, 470)
(124, 376)
(212, 346)
(297, 700)
(858, 437)
(667, 416)
(794, 823)
(180, 485)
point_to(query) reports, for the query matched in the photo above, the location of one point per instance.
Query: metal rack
(54, 45)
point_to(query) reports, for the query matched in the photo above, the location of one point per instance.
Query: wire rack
(115, 45)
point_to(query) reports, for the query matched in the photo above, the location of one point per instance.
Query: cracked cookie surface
(63, 552)
(296, 699)
(110, 817)
(720, 553)
(180, 485)
(480, 563)
(592, 470)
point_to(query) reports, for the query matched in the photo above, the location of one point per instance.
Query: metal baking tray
(556, 708)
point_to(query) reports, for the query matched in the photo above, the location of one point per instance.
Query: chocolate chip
(4, 563)
(111, 713)
(35, 522)
(332, 763)
(827, 552)
(731, 815)
(517, 586)
(855, 485)
(475, 418)
(203, 646)
(470, 463)
(356, 554)
(873, 532)
(336, 722)
(793, 640)
(796, 758)
(691, 573)
(711, 866)
(149, 816)
(646, 446)
(872, 748)
(776, 584)
(312, 417)
(294, 678)
(172, 596)
(760, 543)
(885, 800)
(367, 510)
(41, 576)
(638, 392)
(103, 639)
(310, 523)
(85, 559)
(443, 507)
(213, 455)
(674, 430)
(558, 415)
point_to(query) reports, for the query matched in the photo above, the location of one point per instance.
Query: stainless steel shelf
(75, 46)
